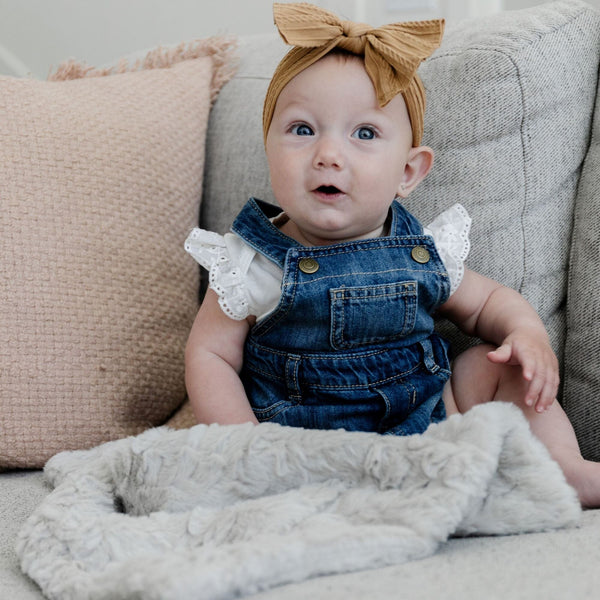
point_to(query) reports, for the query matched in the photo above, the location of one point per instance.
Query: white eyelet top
(248, 283)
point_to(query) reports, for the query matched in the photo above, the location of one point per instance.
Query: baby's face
(336, 158)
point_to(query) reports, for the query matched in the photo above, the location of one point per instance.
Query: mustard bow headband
(392, 54)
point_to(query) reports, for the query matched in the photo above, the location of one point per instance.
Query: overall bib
(351, 343)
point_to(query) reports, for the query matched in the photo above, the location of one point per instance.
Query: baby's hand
(531, 350)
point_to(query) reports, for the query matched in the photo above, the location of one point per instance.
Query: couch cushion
(582, 366)
(20, 494)
(101, 182)
(236, 165)
(510, 100)
(510, 105)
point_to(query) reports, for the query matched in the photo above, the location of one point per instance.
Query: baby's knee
(474, 377)
(474, 360)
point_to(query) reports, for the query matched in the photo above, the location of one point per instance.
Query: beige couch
(514, 119)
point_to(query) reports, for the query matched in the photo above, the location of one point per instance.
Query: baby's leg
(476, 380)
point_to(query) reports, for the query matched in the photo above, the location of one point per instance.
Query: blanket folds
(221, 512)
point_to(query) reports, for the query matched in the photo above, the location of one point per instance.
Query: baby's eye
(365, 133)
(302, 129)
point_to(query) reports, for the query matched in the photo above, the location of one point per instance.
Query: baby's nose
(328, 153)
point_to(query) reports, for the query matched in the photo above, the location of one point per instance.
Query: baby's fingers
(536, 385)
(542, 389)
(502, 354)
(547, 396)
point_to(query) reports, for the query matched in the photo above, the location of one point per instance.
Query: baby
(320, 311)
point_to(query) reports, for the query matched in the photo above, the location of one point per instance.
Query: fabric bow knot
(392, 53)
(355, 36)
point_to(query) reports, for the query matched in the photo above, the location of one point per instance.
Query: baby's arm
(213, 360)
(497, 314)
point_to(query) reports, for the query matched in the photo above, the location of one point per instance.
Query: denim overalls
(351, 343)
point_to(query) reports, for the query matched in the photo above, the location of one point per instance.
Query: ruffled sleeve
(226, 274)
(450, 232)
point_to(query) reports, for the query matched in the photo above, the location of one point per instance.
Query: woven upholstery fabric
(101, 180)
(509, 107)
(582, 365)
(236, 165)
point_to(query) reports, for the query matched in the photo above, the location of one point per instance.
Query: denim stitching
(386, 401)
(364, 385)
(331, 355)
(335, 276)
(265, 413)
(400, 241)
(293, 361)
(282, 309)
(338, 337)
(390, 379)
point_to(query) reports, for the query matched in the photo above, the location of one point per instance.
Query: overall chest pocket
(372, 314)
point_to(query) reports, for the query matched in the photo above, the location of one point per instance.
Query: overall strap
(255, 228)
(403, 222)
(253, 225)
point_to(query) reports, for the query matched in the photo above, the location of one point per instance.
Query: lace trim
(450, 230)
(225, 278)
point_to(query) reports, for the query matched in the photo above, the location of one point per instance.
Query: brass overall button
(420, 254)
(308, 265)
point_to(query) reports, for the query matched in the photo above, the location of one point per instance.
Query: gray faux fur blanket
(225, 511)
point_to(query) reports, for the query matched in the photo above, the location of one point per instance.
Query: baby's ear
(419, 163)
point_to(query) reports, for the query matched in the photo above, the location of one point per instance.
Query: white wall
(43, 33)
(37, 35)
(516, 4)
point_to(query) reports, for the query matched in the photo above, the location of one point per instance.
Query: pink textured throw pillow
(101, 180)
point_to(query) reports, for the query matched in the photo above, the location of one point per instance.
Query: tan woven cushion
(101, 180)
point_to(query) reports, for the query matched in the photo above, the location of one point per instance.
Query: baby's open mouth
(329, 189)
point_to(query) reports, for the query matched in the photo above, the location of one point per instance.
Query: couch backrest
(581, 397)
(510, 107)
(236, 166)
